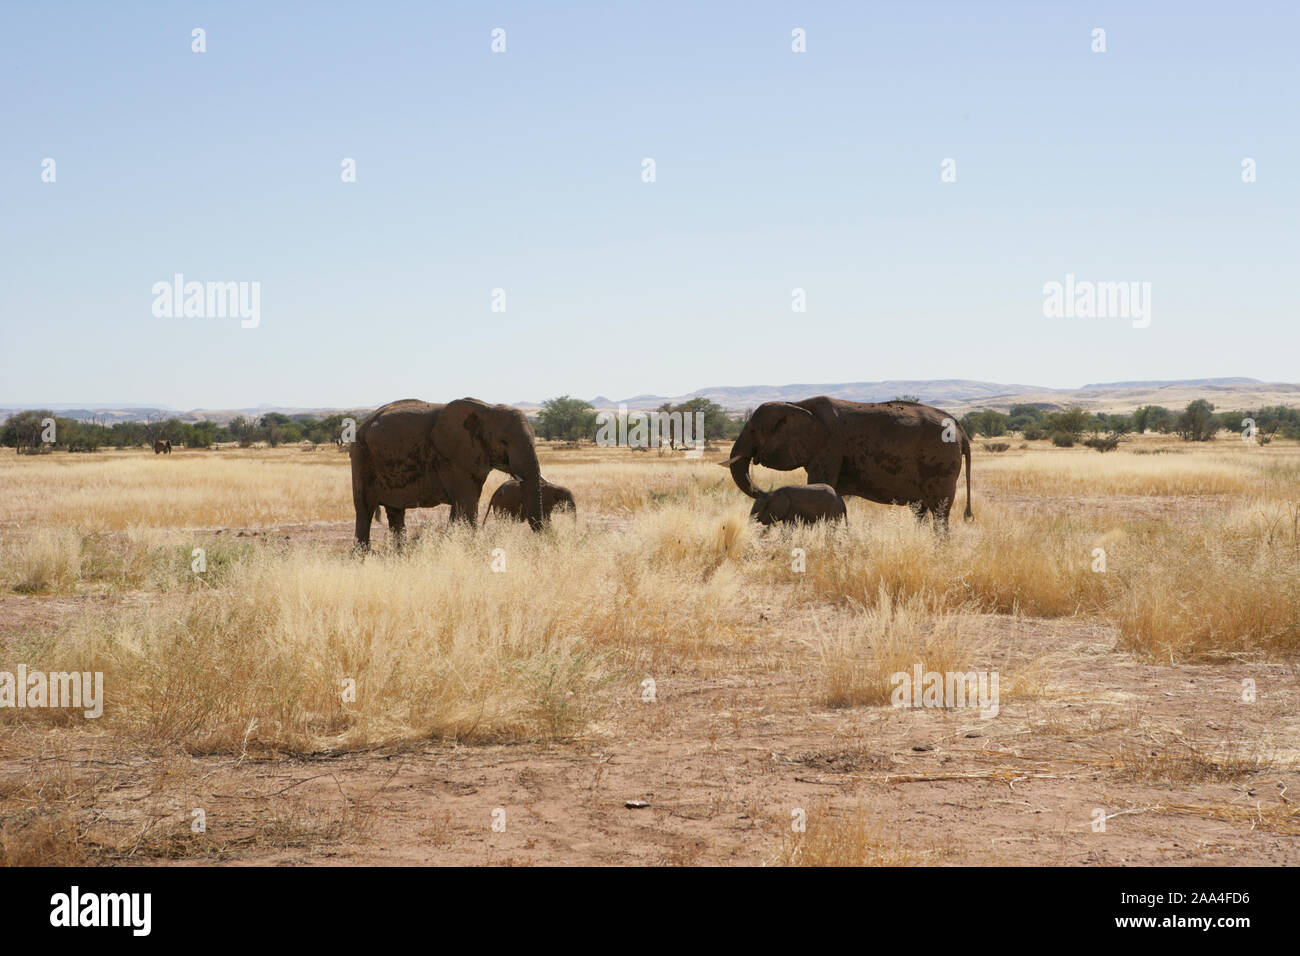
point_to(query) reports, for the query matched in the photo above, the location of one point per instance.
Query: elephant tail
(965, 450)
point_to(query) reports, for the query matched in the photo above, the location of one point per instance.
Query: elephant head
(481, 437)
(780, 435)
(770, 507)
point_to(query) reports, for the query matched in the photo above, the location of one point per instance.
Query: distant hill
(935, 392)
(963, 395)
(955, 395)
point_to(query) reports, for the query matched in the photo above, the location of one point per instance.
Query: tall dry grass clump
(1228, 586)
(861, 653)
(46, 559)
(1004, 562)
(848, 839)
(60, 560)
(503, 635)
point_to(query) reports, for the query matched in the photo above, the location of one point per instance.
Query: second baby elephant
(801, 504)
(506, 500)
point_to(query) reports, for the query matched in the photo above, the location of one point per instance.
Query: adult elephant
(163, 447)
(899, 453)
(412, 454)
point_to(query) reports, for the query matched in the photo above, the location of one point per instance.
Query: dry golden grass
(1226, 586)
(115, 491)
(1280, 818)
(862, 653)
(436, 643)
(49, 559)
(1180, 762)
(659, 566)
(1006, 561)
(67, 559)
(1084, 472)
(853, 838)
(661, 570)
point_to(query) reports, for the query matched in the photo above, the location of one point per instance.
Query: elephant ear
(463, 435)
(791, 436)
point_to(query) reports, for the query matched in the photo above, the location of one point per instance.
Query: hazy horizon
(1212, 382)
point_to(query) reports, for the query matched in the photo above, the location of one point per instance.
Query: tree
(243, 431)
(988, 422)
(23, 430)
(201, 434)
(566, 419)
(1160, 419)
(715, 416)
(1070, 421)
(1141, 418)
(1022, 417)
(1197, 422)
(1113, 424)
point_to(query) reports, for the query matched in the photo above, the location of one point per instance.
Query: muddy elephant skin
(414, 454)
(899, 453)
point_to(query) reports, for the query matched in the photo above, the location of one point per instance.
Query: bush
(996, 447)
(1103, 444)
(1034, 434)
(1062, 439)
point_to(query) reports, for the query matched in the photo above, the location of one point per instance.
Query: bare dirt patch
(723, 763)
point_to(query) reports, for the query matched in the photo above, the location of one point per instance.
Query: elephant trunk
(525, 467)
(742, 452)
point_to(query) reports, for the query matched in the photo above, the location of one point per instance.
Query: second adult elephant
(507, 500)
(899, 453)
(413, 454)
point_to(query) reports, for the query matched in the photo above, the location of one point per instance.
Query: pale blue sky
(522, 171)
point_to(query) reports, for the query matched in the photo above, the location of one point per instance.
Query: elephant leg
(397, 526)
(364, 512)
(364, 502)
(462, 510)
(464, 492)
(918, 508)
(940, 513)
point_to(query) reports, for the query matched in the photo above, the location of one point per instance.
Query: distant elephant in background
(894, 453)
(506, 500)
(799, 504)
(162, 447)
(413, 454)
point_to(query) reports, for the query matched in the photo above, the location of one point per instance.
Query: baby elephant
(802, 504)
(508, 500)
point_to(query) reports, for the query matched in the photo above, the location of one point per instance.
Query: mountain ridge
(957, 395)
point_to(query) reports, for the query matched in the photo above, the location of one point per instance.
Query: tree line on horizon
(1197, 422)
(574, 420)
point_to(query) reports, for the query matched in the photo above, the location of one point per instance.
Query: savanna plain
(503, 697)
